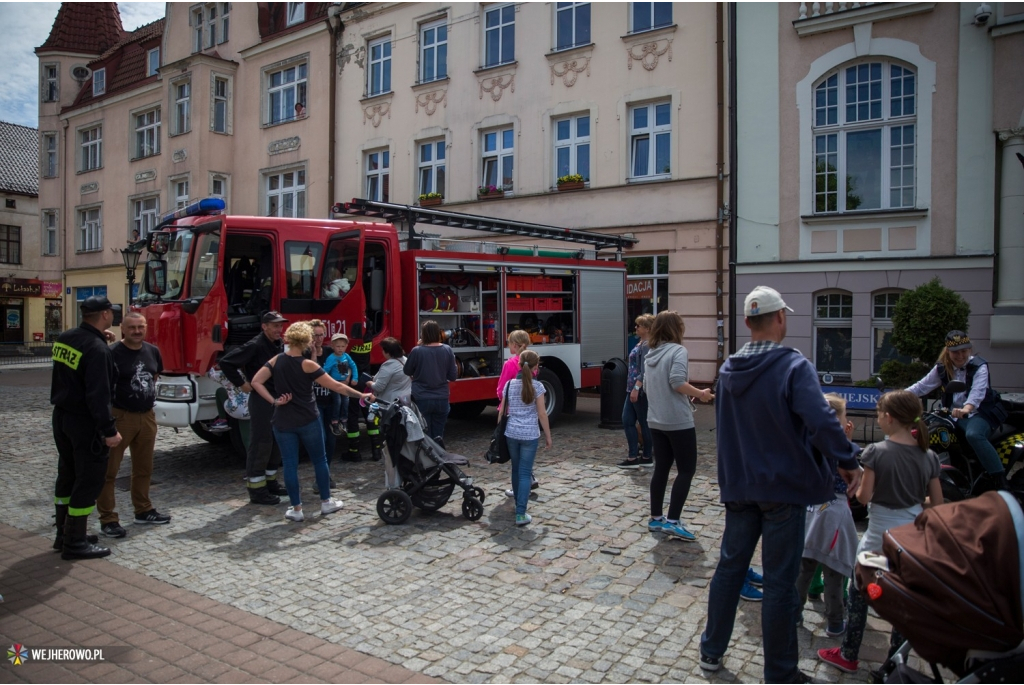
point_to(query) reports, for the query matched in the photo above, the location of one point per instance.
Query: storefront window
(53, 319)
(81, 294)
(646, 286)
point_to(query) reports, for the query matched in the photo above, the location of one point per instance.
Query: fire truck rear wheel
(215, 438)
(553, 392)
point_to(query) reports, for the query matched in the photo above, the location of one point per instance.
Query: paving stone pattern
(584, 594)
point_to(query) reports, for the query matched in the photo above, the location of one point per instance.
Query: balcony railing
(829, 8)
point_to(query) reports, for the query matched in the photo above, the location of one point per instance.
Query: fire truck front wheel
(216, 438)
(554, 392)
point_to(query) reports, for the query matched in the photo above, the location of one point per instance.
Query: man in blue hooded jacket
(776, 434)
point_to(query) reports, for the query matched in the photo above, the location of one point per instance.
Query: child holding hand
(340, 366)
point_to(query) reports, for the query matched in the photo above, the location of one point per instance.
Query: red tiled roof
(86, 27)
(125, 63)
(273, 18)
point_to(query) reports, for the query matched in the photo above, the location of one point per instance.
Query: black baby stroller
(418, 471)
(952, 583)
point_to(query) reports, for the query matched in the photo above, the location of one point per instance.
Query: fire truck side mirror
(156, 277)
(159, 242)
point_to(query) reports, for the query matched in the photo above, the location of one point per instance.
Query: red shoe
(834, 656)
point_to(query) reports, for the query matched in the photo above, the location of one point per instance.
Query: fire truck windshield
(177, 262)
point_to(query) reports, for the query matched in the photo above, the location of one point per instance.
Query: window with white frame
(219, 186)
(285, 88)
(572, 146)
(651, 15)
(99, 81)
(499, 35)
(50, 244)
(180, 191)
(379, 73)
(650, 140)
(209, 25)
(51, 82)
(296, 13)
(50, 158)
(572, 24)
(434, 50)
(152, 62)
(833, 332)
(378, 175)
(147, 133)
(90, 229)
(182, 106)
(220, 118)
(145, 215)
(498, 160)
(10, 244)
(286, 193)
(882, 349)
(91, 140)
(646, 285)
(431, 167)
(864, 129)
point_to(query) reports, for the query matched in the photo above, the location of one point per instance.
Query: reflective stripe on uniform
(80, 511)
(67, 355)
(61, 500)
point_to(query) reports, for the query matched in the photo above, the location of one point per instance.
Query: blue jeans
(330, 439)
(338, 408)
(781, 529)
(312, 438)
(435, 415)
(523, 452)
(977, 429)
(633, 413)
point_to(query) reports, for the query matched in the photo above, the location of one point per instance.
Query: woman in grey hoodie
(670, 416)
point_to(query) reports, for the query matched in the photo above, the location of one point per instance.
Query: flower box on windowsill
(491, 196)
(431, 201)
(572, 185)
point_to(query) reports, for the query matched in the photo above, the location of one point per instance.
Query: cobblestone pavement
(584, 594)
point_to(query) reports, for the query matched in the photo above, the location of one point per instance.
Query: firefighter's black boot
(376, 439)
(275, 487)
(261, 495)
(76, 543)
(352, 454)
(60, 516)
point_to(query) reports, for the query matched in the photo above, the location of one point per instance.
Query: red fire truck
(210, 276)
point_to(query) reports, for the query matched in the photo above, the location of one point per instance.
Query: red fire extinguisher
(489, 330)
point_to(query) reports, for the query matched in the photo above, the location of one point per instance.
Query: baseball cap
(339, 336)
(763, 300)
(95, 303)
(957, 340)
(273, 317)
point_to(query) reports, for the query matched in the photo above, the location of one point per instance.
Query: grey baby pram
(418, 471)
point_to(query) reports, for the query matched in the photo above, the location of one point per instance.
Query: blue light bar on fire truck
(210, 205)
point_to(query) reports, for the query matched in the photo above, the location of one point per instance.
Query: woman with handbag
(525, 407)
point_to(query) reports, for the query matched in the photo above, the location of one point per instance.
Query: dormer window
(296, 13)
(152, 62)
(99, 82)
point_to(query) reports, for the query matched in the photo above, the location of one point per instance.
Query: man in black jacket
(83, 426)
(263, 458)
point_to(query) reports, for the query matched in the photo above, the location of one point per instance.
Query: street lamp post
(130, 255)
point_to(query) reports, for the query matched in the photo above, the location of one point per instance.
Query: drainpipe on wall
(334, 26)
(64, 233)
(733, 209)
(720, 190)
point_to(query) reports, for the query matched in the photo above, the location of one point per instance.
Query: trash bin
(613, 393)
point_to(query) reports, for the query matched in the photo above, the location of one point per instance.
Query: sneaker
(646, 461)
(755, 578)
(523, 519)
(293, 515)
(152, 516)
(677, 530)
(709, 663)
(656, 525)
(510, 494)
(218, 426)
(533, 482)
(751, 593)
(337, 428)
(630, 464)
(113, 530)
(834, 657)
(837, 630)
(329, 506)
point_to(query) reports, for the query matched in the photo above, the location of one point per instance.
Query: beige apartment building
(215, 100)
(489, 104)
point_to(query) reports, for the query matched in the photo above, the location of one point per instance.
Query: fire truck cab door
(207, 299)
(342, 295)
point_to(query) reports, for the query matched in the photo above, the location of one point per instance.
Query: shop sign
(14, 318)
(20, 287)
(52, 288)
(640, 289)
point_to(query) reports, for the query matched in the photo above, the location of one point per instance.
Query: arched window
(883, 303)
(865, 132)
(833, 332)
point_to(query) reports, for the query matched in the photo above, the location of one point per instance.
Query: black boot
(352, 453)
(261, 495)
(376, 444)
(76, 541)
(999, 481)
(59, 518)
(274, 487)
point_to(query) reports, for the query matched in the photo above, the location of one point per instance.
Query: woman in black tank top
(296, 417)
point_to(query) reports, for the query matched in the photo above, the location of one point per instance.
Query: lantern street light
(130, 255)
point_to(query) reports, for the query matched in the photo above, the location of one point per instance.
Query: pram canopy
(954, 583)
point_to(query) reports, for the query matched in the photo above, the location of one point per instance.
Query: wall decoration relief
(375, 113)
(648, 54)
(496, 85)
(276, 147)
(179, 155)
(430, 101)
(147, 175)
(89, 188)
(570, 70)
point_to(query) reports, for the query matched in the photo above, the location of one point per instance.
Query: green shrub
(922, 318)
(897, 374)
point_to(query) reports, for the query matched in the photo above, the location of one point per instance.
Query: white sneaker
(509, 493)
(329, 506)
(293, 515)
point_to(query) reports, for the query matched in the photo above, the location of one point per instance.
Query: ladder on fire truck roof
(412, 215)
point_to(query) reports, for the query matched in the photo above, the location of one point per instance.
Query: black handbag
(497, 451)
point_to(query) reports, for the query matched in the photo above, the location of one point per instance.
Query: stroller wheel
(394, 507)
(472, 508)
(479, 494)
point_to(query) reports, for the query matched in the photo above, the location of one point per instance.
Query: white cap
(763, 300)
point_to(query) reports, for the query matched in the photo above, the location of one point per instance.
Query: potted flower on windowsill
(570, 182)
(430, 199)
(489, 192)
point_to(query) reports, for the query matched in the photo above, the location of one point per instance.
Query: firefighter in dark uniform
(360, 353)
(263, 458)
(84, 429)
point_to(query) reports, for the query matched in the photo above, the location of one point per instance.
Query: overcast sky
(25, 27)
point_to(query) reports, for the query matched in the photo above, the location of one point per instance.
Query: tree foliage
(922, 318)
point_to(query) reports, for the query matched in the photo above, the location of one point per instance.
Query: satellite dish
(80, 73)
